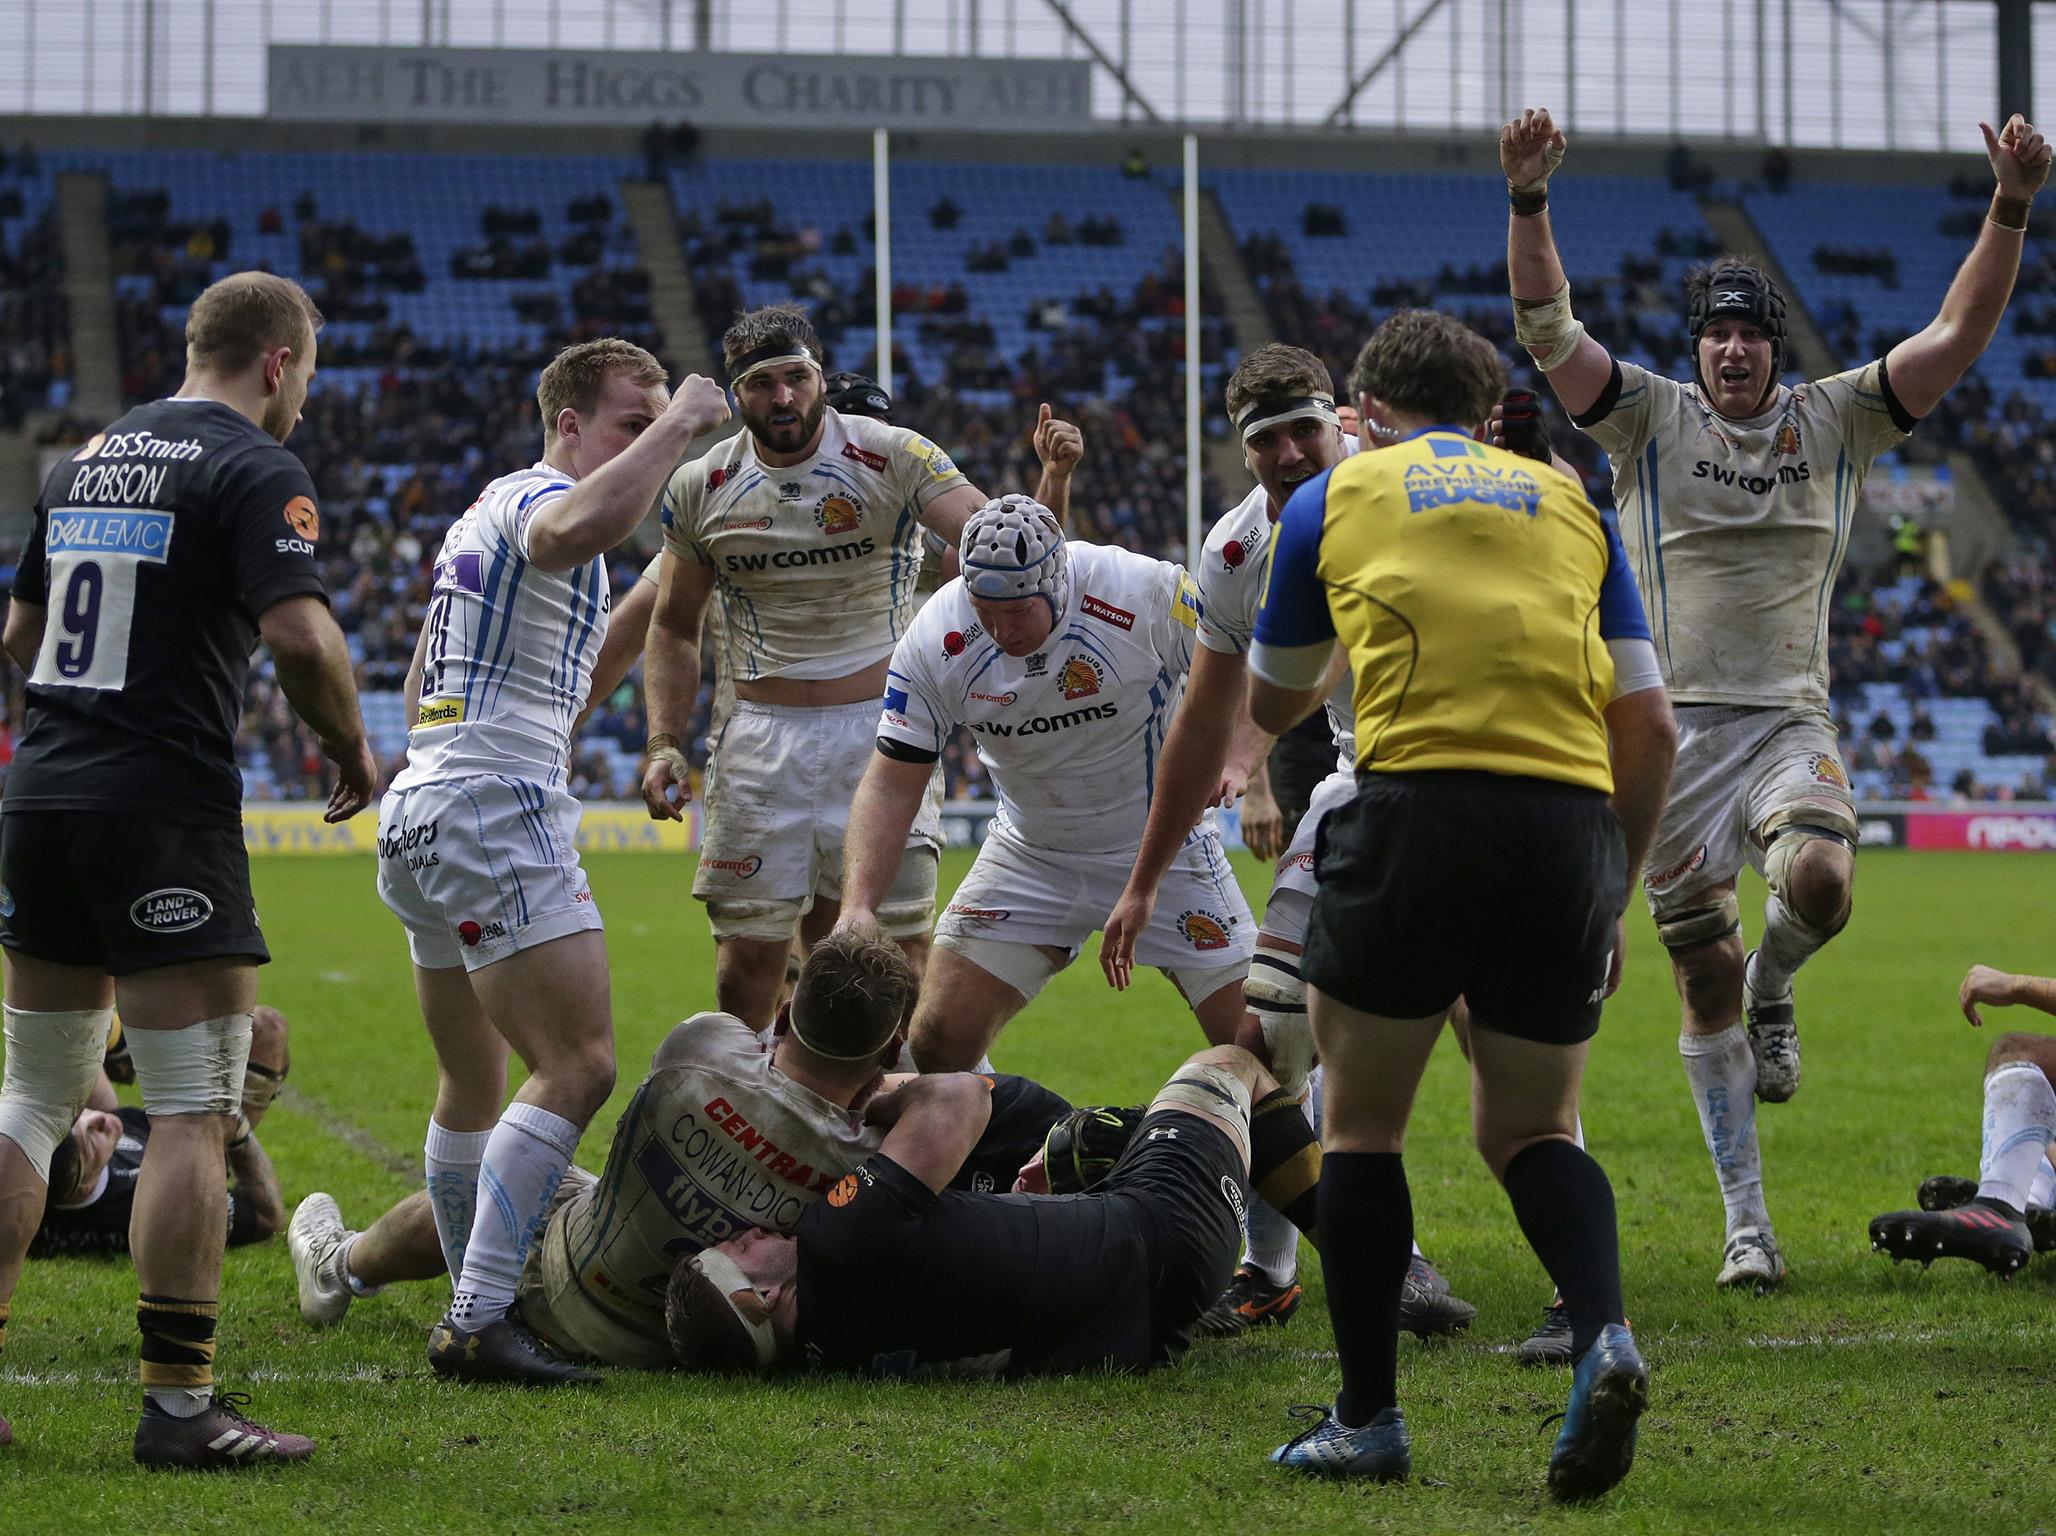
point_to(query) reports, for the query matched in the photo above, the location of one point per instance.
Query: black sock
(1366, 1214)
(1285, 1160)
(1565, 1208)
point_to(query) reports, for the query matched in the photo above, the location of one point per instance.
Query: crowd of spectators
(35, 323)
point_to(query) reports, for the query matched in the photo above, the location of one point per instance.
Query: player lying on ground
(94, 1171)
(1281, 402)
(2002, 1218)
(1736, 498)
(1066, 661)
(1511, 764)
(732, 1129)
(898, 1273)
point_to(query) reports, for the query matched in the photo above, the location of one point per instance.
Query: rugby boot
(1379, 1450)
(1550, 1343)
(220, 1436)
(502, 1351)
(1426, 1309)
(1773, 1038)
(315, 1239)
(1752, 1259)
(1252, 1300)
(1609, 1391)
(1946, 1191)
(1983, 1231)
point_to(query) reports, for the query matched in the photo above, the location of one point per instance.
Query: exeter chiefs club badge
(1787, 440)
(1203, 930)
(1080, 678)
(1827, 771)
(837, 514)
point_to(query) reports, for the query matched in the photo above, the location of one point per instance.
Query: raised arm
(1060, 446)
(601, 510)
(671, 681)
(1925, 367)
(1531, 147)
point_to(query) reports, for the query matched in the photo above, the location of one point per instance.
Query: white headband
(730, 1281)
(1311, 407)
(759, 364)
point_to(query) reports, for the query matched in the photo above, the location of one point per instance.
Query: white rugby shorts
(1018, 893)
(1293, 884)
(777, 804)
(1738, 766)
(480, 868)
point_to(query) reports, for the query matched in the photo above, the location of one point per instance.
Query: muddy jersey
(716, 1141)
(1070, 733)
(1232, 565)
(814, 563)
(1736, 529)
(510, 647)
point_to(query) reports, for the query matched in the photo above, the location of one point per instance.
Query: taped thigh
(53, 1060)
(1024, 967)
(1215, 1092)
(197, 1070)
(766, 921)
(1276, 994)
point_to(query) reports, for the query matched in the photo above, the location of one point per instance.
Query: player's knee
(1706, 925)
(2015, 1046)
(587, 1077)
(52, 1063)
(1820, 890)
(196, 1071)
(268, 1036)
(943, 1045)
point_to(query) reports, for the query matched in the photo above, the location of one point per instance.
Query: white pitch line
(1674, 1347)
(127, 1378)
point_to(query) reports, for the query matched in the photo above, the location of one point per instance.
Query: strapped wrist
(1527, 201)
(2009, 212)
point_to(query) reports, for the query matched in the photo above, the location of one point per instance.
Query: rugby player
(898, 1273)
(1066, 661)
(808, 524)
(1511, 755)
(475, 837)
(1281, 401)
(1736, 497)
(732, 1129)
(94, 1171)
(160, 553)
(2003, 1217)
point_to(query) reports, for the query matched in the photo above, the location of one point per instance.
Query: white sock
(1578, 1132)
(1270, 1241)
(342, 1262)
(524, 1162)
(1787, 945)
(2020, 1121)
(1722, 1071)
(452, 1160)
(181, 1402)
(2041, 1194)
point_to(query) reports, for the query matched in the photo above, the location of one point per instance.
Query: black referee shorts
(1184, 1179)
(122, 894)
(1503, 891)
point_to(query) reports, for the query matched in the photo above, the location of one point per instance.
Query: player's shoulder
(706, 1039)
(1114, 571)
(1238, 535)
(880, 445)
(713, 469)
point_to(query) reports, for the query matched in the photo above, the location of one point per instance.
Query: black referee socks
(1565, 1207)
(1366, 1213)
(1285, 1160)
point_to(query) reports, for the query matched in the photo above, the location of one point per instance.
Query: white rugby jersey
(1071, 732)
(1232, 566)
(815, 563)
(510, 648)
(1736, 529)
(716, 1141)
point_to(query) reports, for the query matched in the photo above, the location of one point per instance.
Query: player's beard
(787, 439)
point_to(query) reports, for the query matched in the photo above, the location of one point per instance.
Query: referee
(1513, 747)
(160, 554)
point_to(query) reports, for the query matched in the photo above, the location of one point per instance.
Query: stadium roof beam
(1377, 65)
(1099, 54)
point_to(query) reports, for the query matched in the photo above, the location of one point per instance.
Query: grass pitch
(1863, 1397)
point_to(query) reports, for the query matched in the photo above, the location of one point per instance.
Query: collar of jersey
(1424, 431)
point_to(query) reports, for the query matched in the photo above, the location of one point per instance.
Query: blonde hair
(576, 376)
(245, 316)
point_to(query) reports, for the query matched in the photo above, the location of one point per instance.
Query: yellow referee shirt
(1475, 590)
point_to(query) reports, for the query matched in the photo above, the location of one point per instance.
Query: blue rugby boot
(1609, 1391)
(1379, 1450)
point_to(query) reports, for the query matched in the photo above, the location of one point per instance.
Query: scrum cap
(1739, 290)
(1013, 547)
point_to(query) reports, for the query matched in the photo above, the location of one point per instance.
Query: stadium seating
(34, 323)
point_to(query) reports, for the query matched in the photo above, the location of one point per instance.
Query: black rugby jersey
(101, 1225)
(155, 548)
